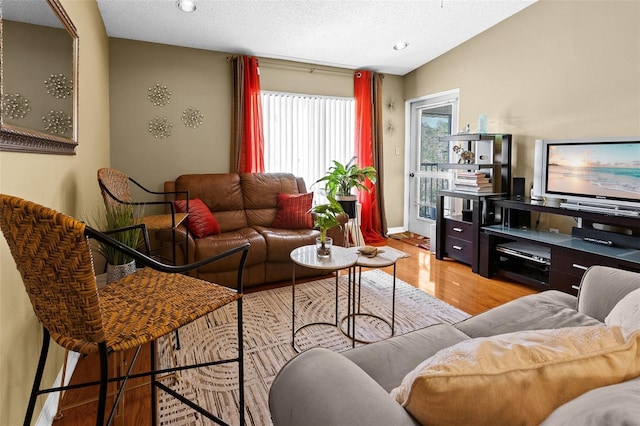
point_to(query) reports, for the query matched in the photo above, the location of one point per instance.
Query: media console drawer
(458, 229)
(568, 266)
(459, 249)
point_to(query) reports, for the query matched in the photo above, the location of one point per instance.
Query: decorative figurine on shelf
(466, 157)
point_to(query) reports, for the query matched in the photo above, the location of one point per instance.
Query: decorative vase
(117, 272)
(324, 249)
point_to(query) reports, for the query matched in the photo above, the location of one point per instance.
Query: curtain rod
(301, 68)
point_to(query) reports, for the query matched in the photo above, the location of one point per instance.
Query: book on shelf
(469, 182)
(474, 189)
(471, 175)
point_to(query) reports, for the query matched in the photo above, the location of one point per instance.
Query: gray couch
(320, 387)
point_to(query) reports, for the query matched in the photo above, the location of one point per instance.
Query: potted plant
(325, 218)
(341, 179)
(116, 217)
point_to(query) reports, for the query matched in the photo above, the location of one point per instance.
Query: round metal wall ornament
(15, 106)
(57, 122)
(159, 128)
(191, 117)
(58, 86)
(159, 95)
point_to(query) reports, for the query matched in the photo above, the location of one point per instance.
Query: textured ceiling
(342, 33)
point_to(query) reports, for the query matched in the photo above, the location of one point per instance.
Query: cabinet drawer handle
(457, 229)
(575, 287)
(457, 247)
(584, 268)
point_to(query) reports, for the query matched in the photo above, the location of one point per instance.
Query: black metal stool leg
(104, 382)
(240, 363)
(36, 381)
(154, 393)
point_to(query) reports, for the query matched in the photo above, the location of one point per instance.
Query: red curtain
(364, 152)
(252, 147)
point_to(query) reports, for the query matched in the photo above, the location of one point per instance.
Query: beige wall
(65, 183)
(202, 79)
(555, 70)
(558, 69)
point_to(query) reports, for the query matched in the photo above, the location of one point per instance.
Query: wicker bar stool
(115, 189)
(52, 253)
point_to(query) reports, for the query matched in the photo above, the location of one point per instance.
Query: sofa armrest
(323, 388)
(602, 287)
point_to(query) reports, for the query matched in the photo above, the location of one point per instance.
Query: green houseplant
(112, 219)
(325, 218)
(341, 179)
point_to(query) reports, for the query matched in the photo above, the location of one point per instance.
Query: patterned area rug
(267, 340)
(413, 239)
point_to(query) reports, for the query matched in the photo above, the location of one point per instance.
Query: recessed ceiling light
(187, 5)
(401, 45)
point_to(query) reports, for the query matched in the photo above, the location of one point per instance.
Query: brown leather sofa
(244, 206)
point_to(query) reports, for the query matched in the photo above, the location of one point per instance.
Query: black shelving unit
(457, 235)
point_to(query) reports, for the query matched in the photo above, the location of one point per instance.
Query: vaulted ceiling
(342, 33)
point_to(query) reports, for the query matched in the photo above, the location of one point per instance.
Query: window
(303, 134)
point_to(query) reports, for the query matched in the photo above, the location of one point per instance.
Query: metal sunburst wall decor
(15, 106)
(57, 122)
(159, 95)
(192, 117)
(58, 86)
(159, 128)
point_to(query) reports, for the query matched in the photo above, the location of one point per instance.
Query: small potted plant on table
(325, 218)
(341, 179)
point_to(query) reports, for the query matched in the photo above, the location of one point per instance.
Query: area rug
(267, 341)
(413, 239)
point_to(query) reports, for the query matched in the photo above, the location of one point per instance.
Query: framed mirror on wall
(39, 78)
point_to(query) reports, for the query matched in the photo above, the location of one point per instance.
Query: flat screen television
(598, 173)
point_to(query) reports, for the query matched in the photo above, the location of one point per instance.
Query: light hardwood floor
(447, 280)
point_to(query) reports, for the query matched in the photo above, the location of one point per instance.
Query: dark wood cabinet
(569, 257)
(458, 229)
(458, 237)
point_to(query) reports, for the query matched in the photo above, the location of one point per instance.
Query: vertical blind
(303, 134)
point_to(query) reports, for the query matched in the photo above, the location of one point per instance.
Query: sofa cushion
(626, 313)
(293, 211)
(281, 242)
(200, 220)
(390, 360)
(259, 191)
(549, 309)
(609, 405)
(494, 378)
(222, 193)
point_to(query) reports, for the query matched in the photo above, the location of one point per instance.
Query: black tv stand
(570, 255)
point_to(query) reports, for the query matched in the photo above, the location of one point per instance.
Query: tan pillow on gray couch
(517, 378)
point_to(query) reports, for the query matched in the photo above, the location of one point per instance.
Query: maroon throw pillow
(200, 221)
(293, 211)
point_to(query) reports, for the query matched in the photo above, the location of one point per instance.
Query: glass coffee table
(341, 258)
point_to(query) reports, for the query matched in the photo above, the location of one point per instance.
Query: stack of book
(474, 182)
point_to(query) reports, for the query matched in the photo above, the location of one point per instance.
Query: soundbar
(615, 211)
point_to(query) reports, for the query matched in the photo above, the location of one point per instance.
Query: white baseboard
(396, 230)
(50, 408)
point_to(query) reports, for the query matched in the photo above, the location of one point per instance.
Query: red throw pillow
(201, 221)
(293, 211)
